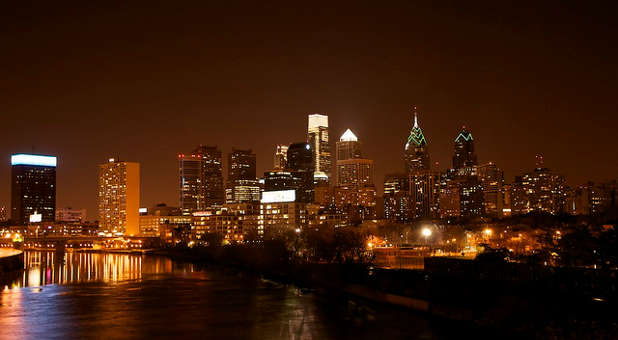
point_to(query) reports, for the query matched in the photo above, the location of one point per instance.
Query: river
(120, 296)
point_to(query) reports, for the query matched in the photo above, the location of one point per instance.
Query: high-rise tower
(317, 136)
(212, 174)
(281, 157)
(33, 188)
(242, 185)
(119, 197)
(416, 154)
(464, 150)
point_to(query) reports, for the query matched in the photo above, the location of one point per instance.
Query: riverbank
(547, 302)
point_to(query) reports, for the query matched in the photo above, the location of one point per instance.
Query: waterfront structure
(33, 188)
(416, 153)
(70, 215)
(234, 221)
(464, 150)
(242, 184)
(156, 225)
(301, 165)
(317, 136)
(281, 157)
(119, 197)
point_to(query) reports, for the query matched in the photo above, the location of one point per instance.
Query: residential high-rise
(33, 188)
(416, 153)
(242, 184)
(317, 136)
(301, 166)
(281, 157)
(119, 197)
(464, 150)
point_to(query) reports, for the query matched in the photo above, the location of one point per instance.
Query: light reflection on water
(120, 296)
(42, 268)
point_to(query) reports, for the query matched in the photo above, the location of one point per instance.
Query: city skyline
(194, 98)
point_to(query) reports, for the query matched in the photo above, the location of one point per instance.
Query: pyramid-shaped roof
(416, 136)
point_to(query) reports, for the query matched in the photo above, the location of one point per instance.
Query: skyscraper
(348, 146)
(281, 157)
(191, 189)
(301, 166)
(416, 153)
(119, 197)
(242, 184)
(212, 174)
(33, 188)
(317, 136)
(464, 150)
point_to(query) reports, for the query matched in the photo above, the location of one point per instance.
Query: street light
(488, 232)
(426, 232)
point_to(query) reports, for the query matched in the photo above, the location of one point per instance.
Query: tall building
(212, 174)
(191, 190)
(241, 165)
(119, 197)
(242, 184)
(425, 193)
(33, 188)
(301, 166)
(317, 136)
(348, 146)
(416, 153)
(200, 179)
(492, 183)
(464, 150)
(281, 157)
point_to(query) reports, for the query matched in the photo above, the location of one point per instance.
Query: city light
(426, 232)
(488, 232)
(36, 160)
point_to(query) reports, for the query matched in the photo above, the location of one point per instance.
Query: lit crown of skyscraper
(416, 134)
(316, 120)
(348, 136)
(464, 135)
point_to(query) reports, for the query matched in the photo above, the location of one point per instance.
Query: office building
(348, 146)
(301, 166)
(281, 157)
(33, 188)
(242, 184)
(212, 174)
(416, 153)
(492, 181)
(317, 136)
(119, 197)
(464, 150)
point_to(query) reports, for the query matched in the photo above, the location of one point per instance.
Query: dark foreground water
(105, 296)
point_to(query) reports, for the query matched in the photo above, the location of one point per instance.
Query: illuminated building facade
(398, 205)
(153, 225)
(416, 153)
(242, 185)
(119, 197)
(212, 174)
(280, 211)
(492, 182)
(544, 191)
(594, 199)
(33, 188)
(425, 193)
(464, 150)
(190, 170)
(281, 157)
(317, 136)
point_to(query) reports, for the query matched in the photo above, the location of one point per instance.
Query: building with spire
(416, 153)
(464, 150)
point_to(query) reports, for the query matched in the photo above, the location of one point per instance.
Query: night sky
(145, 83)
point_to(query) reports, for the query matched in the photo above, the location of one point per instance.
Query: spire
(416, 134)
(415, 116)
